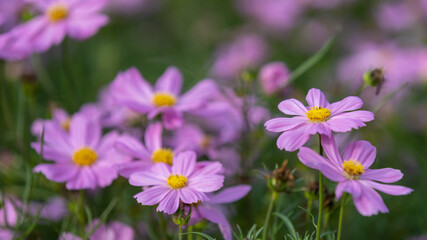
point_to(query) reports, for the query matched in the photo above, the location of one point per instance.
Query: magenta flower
(245, 52)
(107, 231)
(146, 156)
(183, 181)
(133, 91)
(353, 175)
(213, 211)
(319, 117)
(79, 19)
(59, 116)
(273, 77)
(83, 159)
(54, 209)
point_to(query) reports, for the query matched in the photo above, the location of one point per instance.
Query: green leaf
(288, 223)
(201, 234)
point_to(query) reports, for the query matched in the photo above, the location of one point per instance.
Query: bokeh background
(229, 40)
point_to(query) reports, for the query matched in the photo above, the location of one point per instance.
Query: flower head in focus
(183, 181)
(133, 91)
(78, 19)
(319, 117)
(82, 158)
(351, 171)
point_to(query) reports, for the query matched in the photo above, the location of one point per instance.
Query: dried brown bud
(283, 177)
(375, 78)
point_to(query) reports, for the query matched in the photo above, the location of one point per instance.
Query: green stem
(341, 214)
(267, 218)
(180, 232)
(320, 216)
(190, 230)
(163, 225)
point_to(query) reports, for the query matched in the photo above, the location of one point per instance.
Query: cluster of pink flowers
(53, 21)
(164, 165)
(351, 169)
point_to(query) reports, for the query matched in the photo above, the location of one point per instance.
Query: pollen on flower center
(163, 155)
(57, 12)
(318, 114)
(176, 181)
(66, 124)
(163, 100)
(85, 157)
(353, 169)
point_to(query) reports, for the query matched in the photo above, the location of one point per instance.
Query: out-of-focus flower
(107, 231)
(273, 77)
(10, 13)
(247, 51)
(59, 116)
(83, 158)
(60, 18)
(351, 170)
(319, 117)
(146, 156)
(54, 209)
(131, 90)
(396, 16)
(213, 211)
(400, 65)
(8, 216)
(273, 14)
(183, 181)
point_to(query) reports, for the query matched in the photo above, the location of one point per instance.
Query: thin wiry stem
(269, 211)
(341, 216)
(320, 215)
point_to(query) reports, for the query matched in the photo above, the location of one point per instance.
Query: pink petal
(172, 119)
(105, 175)
(209, 168)
(316, 98)
(292, 107)
(50, 35)
(184, 163)
(331, 150)
(170, 81)
(198, 95)
(82, 26)
(58, 172)
(152, 195)
(284, 124)
(122, 231)
(369, 202)
(386, 175)
(84, 179)
(351, 186)
(153, 137)
(84, 132)
(189, 195)
(313, 160)
(295, 138)
(207, 183)
(129, 168)
(216, 216)
(362, 151)
(341, 123)
(156, 176)
(129, 145)
(229, 195)
(347, 104)
(51, 153)
(389, 189)
(169, 204)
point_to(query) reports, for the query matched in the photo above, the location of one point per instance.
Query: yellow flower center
(57, 12)
(163, 100)
(318, 114)
(177, 181)
(206, 142)
(85, 157)
(164, 155)
(353, 169)
(66, 125)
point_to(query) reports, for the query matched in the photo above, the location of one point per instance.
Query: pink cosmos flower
(146, 156)
(54, 209)
(107, 231)
(8, 216)
(273, 77)
(214, 212)
(78, 19)
(183, 181)
(245, 52)
(351, 171)
(319, 117)
(83, 159)
(131, 90)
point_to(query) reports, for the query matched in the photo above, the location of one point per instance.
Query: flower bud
(273, 76)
